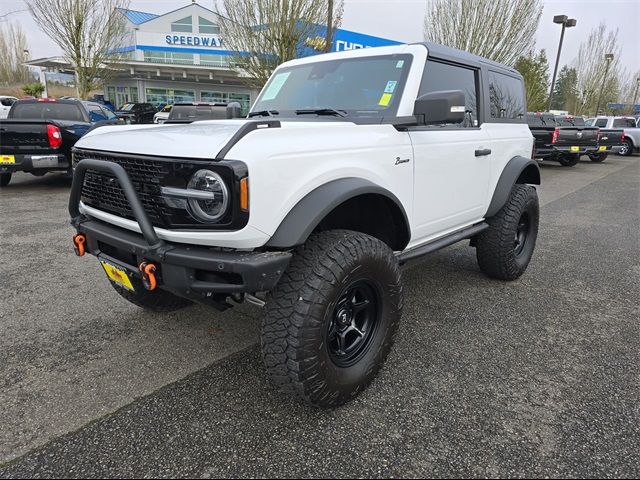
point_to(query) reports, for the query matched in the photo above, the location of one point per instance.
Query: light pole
(608, 57)
(635, 95)
(566, 22)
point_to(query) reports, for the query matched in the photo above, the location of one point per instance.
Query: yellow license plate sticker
(575, 149)
(117, 275)
(602, 148)
(7, 159)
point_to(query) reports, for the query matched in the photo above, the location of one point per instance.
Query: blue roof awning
(137, 17)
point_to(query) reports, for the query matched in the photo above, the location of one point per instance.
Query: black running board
(417, 252)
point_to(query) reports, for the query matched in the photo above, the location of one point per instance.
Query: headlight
(207, 196)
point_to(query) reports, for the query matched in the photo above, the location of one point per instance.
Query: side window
(7, 102)
(440, 76)
(108, 114)
(590, 122)
(624, 123)
(506, 96)
(96, 114)
(601, 122)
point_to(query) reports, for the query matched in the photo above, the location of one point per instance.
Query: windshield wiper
(322, 111)
(264, 113)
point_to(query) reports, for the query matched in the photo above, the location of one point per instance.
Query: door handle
(481, 152)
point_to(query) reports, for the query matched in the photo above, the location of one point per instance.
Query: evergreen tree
(534, 69)
(565, 91)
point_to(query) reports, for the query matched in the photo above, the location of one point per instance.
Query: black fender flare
(518, 170)
(301, 220)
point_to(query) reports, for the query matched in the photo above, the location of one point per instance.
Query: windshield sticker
(385, 99)
(275, 86)
(391, 86)
(400, 64)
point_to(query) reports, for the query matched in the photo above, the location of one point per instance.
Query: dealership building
(181, 56)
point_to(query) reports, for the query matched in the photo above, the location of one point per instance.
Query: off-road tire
(5, 178)
(301, 311)
(598, 157)
(156, 300)
(569, 160)
(628, 150)
(498, 252)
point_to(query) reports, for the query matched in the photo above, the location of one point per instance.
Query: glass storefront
(176, 58)
(169, 95)
(225, 97)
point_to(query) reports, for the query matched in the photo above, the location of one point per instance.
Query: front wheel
(626, 149)
(329, 324)
(569, 160)
(5, 178)
(505, 248)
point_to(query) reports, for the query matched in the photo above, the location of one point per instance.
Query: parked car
(37, 135)
(5, 105)
(132, 113)
(187, 112)
(99, 98)
(351, 164)
(631, 142)
(562, 139)
(162, 115)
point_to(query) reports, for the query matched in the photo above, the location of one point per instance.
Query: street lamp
(635, 95)
(566, 22)
(608, 58)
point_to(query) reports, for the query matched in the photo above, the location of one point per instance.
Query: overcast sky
(402, 20)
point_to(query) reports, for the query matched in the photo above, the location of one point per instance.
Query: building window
(207, 26)
(214, 60)
(225, 97)
(134, 94)
(169, 95)
(506, 96)
(183, 25)
(168, 57)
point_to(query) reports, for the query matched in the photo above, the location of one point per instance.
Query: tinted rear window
(197, 112)
(7, 102)
(506, 96)
(47, 111)
(540, 120)
(624, 122)
(570, 121)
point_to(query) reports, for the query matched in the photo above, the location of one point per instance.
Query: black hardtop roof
(453, 54)
(199, 104)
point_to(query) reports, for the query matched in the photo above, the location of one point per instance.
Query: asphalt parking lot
(539, 377)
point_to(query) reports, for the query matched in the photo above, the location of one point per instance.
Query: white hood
(195, 140)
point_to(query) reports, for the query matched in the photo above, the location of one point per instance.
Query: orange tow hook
(148, 275)
(78, 244)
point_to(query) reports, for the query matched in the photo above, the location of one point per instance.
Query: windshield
(128, 106)
(167, 108)
(47, 111)
(364, 86)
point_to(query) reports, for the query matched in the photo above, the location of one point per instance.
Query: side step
(419, 251)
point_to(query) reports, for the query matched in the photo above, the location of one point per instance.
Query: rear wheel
(506, 247)
(330, 322)
(598, 157)
(5, 178)
(569, 160)
(626, 149)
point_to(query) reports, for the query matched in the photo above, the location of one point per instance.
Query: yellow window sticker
(385, 99)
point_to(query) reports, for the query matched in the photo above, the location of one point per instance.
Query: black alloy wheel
(522, 232)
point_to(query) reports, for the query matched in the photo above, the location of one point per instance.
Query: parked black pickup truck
(38, 134)
(563, 139)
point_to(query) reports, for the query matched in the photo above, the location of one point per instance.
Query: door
(452, 162)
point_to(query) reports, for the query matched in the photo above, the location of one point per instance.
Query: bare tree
(13, 52)
(266, 33)
(501, 30)
(89, 32)
(591, 68)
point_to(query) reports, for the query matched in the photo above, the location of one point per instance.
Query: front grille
(148, 174)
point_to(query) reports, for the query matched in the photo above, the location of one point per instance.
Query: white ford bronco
(348, 165)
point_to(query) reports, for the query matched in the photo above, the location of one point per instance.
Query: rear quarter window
(7, 102)
(506, 97)
(624, 123)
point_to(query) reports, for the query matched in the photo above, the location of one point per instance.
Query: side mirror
(445, 106)
(234, 110)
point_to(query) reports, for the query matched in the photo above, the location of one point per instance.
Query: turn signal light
(54, 135)
(244, 194)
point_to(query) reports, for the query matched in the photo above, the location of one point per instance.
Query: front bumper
(203, 274)
(30, 163)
